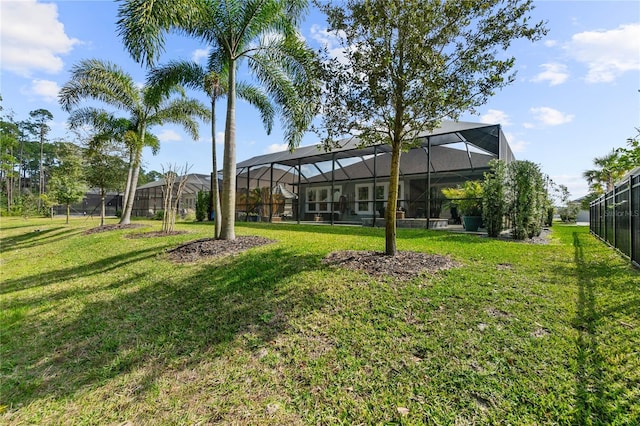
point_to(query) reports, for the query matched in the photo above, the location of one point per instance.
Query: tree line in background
(37, 173)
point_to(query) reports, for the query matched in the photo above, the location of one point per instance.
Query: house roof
(487, 138)
(195, 182)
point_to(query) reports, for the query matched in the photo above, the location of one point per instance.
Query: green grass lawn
(103, 329)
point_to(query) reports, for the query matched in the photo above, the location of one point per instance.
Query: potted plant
(468, 199)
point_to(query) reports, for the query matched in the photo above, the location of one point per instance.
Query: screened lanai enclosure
(349, 184)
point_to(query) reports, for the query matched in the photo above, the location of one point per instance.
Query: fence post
(615, 221)
(634, 220)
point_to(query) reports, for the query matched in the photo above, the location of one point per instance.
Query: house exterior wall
(363, 199)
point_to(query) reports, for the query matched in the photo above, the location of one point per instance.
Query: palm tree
(261, 32)
(608, 170)
(213, 81)
(147, 106)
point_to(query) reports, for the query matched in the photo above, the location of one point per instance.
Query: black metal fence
(615, 218)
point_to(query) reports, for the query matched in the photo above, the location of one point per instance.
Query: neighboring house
(350, 183)
(149, 197)
(90, 204)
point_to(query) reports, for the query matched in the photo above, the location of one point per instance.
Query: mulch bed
(155, 234)
(404, 265)
(116, 227)
(209, 247)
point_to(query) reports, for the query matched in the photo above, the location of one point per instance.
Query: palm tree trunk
(215, 190)
(133, 184)
(127, 187)
(126, 214)
(227, 232)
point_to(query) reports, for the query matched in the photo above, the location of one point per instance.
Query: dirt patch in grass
(116, 227)
(404, 266)
(209, 247)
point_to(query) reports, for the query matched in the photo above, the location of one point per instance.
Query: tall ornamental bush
(202, 205)
(494, 202)
(527, 199)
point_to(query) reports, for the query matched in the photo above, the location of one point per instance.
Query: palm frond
(182, 112)
(99, 80)
(184, 73)
(259, 99)
(143, 24)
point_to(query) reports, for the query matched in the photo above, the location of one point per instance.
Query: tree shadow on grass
(101, 266)
(158, 324)
(37, 238)
(596, 402)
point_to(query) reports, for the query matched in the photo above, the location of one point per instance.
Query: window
(364, 196)
(319, 199)
(311, 199)
(362, 199)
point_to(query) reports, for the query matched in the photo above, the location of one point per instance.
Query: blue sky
(576, 95)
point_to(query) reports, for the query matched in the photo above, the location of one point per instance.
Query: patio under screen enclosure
(350, 183)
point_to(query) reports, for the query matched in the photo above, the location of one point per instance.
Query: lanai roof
(443, 159)
(487, 138)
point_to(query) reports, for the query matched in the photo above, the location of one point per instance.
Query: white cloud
(32, 37)
(199, 54)
(168, 135)
(607, 54)
(495, 116)
(528, 125)
(553, 73)
(331, 40)
(276, 147)
(46, 89)
(550, 43)
(550, 117)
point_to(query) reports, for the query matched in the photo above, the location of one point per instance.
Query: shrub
(550, 212)
(527, 199)
(202, 205)
(570, 212)
(468, 197)
(158, 215)
(494, 205)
